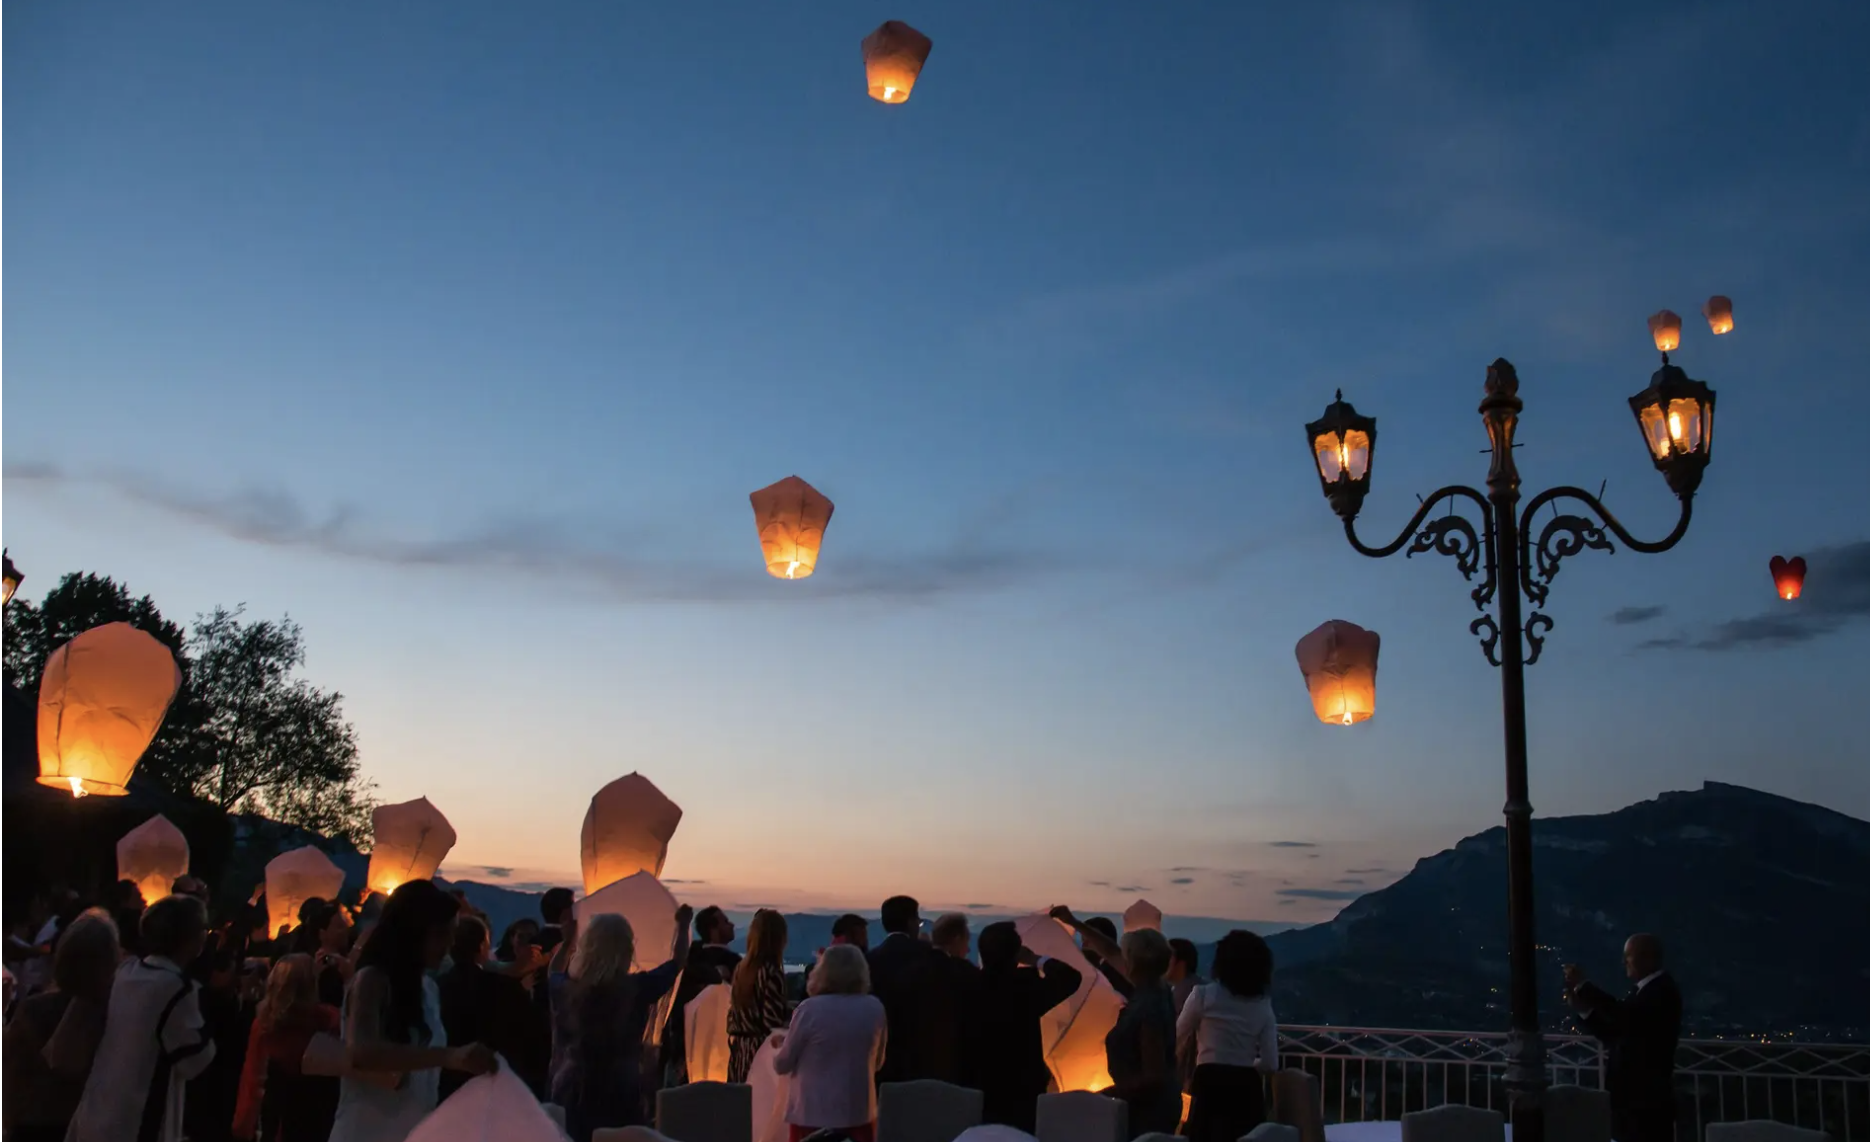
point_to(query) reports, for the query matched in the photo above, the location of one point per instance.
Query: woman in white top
(833, 1049)
(1235, 1038)
(395, 1046)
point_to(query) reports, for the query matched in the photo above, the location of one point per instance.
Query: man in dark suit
(1006, 1043)
(1639, 1033)
(902, 971)
(710, 961)
(947, 1000)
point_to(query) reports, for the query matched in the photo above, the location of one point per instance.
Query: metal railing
(1379, 1073)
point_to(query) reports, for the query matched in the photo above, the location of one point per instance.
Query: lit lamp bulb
(1666, 328)
(1675, 428)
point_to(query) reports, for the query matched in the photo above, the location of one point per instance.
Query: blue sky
(460, 332)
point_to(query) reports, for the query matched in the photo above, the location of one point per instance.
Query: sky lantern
(1720, 314)
(155, 856)
(1666, 328)
(893, 58)
(792, 517)
(294, 877)
(102, 698)
(1073, 1032)
(1142, 915)
(626, 831)
(411, 839)
(495, 1105)
(649, 907)
(1788, 575)
(1339, 661)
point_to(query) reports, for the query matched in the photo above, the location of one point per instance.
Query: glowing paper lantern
(626, 831)
(102, 698)
(494, 1107)
(1339, 661)
(294, 877)
(1142, 915)
(1720, 314)
(893, 58)
(155, 855)
(1666, 328)
(704, 1027)
(792, 517)
(770, 1089)
(1073, 1032)
(410, 841)
(1788, 576)
(647, 905)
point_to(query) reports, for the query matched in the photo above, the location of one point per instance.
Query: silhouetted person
(851, 929)
(1006, 1044)
(490, 1007)
(1234, 1036)
(710, 961)
(1107, 966)
(900, 975)
(1184, 971)
(947, 999)
(1639, 1033)
(554, 908)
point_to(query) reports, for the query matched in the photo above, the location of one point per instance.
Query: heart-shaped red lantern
(1788, 575)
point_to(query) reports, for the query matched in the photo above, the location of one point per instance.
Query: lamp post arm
(1566, 535)
(1450, 535)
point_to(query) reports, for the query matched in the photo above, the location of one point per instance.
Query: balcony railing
(1375, 1073)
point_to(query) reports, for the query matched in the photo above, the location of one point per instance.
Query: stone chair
(1577, 1114)
(926, 1110)
(1762, 1130)
(706, 1112)
(1082, 1116)
(1453, 1122)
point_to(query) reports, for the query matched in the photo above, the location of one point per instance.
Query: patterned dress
(748, 1026)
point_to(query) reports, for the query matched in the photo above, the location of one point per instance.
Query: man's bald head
(1642, 956)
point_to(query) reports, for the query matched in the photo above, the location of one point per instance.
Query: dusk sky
(459, 332)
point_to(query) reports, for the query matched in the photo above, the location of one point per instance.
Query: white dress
(369, 1113)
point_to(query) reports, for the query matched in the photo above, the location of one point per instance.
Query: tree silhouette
(244, 731)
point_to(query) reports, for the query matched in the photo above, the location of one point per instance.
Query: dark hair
(508, 951)
(315, 915)
(554, 904)
(311, 906)
(470, 933)
(901, 914)
(1243, 964)
(707, 920)
(1183, 952)
(998, 945)
(848, 925)
(396, 947)
(1102, 924)
(171, 924)
(128, 890)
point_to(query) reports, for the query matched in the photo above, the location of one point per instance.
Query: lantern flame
(77, 785)
(1675, 427)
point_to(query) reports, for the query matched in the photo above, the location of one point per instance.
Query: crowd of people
(150, 1023)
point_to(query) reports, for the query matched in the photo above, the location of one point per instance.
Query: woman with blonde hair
(278, 1102)
(600, 1009)
(758, 1006)
(833, 1050)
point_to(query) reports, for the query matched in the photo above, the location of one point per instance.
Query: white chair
(706, 1112)
(1299, 1103)
(925, 1111)
(1272, 1132)
(994, 1132)
(1577, 1114)
(1453, 1122)
(1762, 1130)
(1082, 1116)
(626, 1134)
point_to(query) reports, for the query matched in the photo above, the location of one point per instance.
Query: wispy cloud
(1133, 888)
(1320, 893)
(1183, 880)
(1630, 616)
(496, 872)
(1837, 593)
(1348, 880)
(1292, 844)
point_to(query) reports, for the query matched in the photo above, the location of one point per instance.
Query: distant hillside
(1763, 904)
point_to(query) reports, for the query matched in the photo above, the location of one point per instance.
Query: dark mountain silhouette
(1762, 902)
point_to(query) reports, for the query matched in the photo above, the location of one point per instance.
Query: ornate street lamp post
(11, 581)
(1676, 416)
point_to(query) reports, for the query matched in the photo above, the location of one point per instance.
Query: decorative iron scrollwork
(1488, 641)
(1535, 641)
(1562, 538)
(1450, 535)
